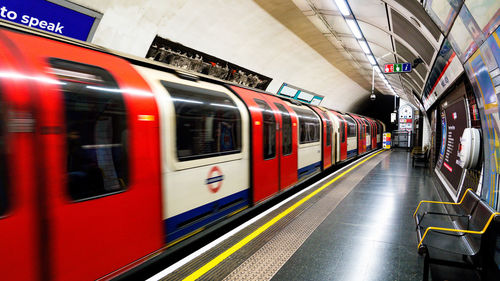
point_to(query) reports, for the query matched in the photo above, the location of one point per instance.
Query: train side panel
(352, 136)
(326, 139)
(309, 139)
(99, 159)
(287, 146)
(19, 209)
(205, 152)
(265, 158)
(335, 136)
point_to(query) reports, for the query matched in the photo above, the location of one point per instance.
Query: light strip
(353, 26)
(364, 47)
(345, 10)
(342, 5)
(371, 60)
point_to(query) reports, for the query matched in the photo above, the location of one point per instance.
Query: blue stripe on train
(302, 172)
(352, 153)
(187, 222)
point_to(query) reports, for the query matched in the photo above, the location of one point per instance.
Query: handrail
(458, 230)
(439, 202)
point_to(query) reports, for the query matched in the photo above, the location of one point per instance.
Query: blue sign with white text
(406, 67)
(47, 16)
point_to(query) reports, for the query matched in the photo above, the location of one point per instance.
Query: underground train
(106, 159)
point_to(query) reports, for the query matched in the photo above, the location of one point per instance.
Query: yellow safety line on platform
(204, 269)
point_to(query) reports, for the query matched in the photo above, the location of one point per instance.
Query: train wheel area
(354, 224)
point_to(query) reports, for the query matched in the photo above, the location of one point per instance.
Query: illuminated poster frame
(296, 93)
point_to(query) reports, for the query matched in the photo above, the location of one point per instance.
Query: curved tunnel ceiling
(396, 31)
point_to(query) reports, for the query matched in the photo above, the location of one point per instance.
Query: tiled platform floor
(370, 235)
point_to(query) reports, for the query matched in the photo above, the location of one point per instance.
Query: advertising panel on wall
(454, 121)
(443, 12)
(178, 55)
(482, 69)
(464, 34)
(445, 71)
(300, 94)
(57, 16)
(486, 13)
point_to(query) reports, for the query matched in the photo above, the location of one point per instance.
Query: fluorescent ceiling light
(377, 69)
(354, 28)
(342, 5)
(364, 46)
(371, 60)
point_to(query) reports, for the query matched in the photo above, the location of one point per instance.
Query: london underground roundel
(214, 179)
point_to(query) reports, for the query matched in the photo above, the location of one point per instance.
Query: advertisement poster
(456, 122)
(60, 18)
(464, 34)
(442, 148)
(486, 13)
(484, 90)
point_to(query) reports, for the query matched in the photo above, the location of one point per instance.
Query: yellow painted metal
(458, 230)
(439, 202)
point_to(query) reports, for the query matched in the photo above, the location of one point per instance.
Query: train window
(351, 127)
(208, 123)
(342, 129)
(269, 129)
(4, 203)
(368, 128)
(286, 132)
(96, 130)
(309, 126)
(328, 130)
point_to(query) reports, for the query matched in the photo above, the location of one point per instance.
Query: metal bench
(464, 232)
(420, 156)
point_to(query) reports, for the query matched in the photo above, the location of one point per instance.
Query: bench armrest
(433, 228)
(440, 202)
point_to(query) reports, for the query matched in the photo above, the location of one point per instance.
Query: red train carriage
(77, 97)
(94, 148)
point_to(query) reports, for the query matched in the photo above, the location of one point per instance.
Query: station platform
(355, 224)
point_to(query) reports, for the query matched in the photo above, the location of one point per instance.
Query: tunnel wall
(238, 31)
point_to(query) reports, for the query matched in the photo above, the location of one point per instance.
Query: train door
(327, 138)
(360, 135)
(264, 139)
(287, 149)
(375, 133)
(342, 137)
(19, 208)
(100, 168)
(327, 141)
(368, 133)
(353, 142)
(334, 136)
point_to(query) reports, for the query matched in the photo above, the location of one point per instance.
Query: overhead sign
(397, 67)
(297, 93)
(56, 16)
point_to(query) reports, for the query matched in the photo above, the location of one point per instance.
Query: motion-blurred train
(107, 159)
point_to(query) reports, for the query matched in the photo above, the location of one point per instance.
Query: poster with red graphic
(456, 122)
